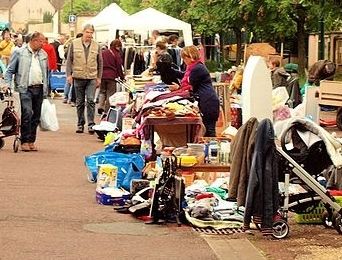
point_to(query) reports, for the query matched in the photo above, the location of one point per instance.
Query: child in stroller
(10, 122)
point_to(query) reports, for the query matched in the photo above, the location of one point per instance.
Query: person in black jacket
(165, 66)
(197, 79)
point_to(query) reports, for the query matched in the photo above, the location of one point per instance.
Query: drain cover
(124, 228)
(223, 231)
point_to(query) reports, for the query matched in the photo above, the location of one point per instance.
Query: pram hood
(333, 145)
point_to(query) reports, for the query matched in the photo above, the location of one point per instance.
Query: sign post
(72, 24)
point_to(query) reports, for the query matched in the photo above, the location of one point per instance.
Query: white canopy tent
(151, 19)
(110, 14)
(110, 20)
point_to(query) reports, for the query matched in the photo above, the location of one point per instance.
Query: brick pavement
(46, 203)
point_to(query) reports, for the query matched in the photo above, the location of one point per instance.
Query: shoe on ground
(73, 104)
(91, 131)
(56, 94)
(25, 147)
(65, 101)
(33, 147)
(80, 129)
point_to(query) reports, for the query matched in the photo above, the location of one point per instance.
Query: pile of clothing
(208, 203)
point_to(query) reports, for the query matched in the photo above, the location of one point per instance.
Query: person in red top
(112, 69)
(51, 53)
(52, 60)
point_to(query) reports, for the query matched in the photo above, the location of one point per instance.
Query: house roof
(7, 4)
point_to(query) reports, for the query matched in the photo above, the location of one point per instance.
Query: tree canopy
(267, 20)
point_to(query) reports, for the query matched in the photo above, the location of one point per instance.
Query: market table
(192, 125)
(207, 167)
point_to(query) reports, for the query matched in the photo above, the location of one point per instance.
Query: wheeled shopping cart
(10, 122)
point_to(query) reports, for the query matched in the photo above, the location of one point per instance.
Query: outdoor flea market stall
(270, 159)
(141, 23)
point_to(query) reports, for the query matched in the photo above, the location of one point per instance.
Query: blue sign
(72, 18)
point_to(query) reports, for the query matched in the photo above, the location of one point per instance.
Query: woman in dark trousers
(112, 69)
(197, 79)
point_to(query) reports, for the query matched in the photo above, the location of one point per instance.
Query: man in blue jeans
(29, 64)
(84, 70)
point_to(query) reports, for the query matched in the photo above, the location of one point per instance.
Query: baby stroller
(306, 150)
(10, 122)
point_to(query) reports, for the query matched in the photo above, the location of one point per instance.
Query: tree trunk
(301, 37)
(238, 35)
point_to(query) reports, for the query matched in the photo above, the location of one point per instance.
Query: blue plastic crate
(104, 199)
(57, 80)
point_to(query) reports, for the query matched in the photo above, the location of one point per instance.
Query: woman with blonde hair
(197, 79)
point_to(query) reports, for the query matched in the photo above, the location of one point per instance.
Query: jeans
(85, 90)
(31, 104)
(67, 91)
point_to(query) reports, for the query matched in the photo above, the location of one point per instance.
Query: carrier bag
(48, 117)
(129, 166)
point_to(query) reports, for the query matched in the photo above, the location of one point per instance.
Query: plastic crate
(104, 199)
(57, 80)
(314, 217)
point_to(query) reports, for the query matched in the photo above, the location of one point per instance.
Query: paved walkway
(48, 210)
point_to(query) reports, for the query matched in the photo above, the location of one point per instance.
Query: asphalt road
(48, 209)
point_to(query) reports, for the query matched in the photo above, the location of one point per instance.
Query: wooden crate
(330, 93)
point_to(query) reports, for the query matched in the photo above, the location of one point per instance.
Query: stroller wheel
(338, 223)
(16, 144)
(2, 143)
(328, 221)
(280, 229)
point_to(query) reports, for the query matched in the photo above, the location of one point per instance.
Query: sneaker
(91, 131)
(33, 147)
(25, 147)
(65, 101)
(80, 129)
(73, 104)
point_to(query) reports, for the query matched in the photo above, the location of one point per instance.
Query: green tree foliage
(268, 20)
(131, 6)
(294, 19)
(172, 8)
(47, 17)
(78, 7)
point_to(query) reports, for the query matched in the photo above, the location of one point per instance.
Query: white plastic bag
(48, 117)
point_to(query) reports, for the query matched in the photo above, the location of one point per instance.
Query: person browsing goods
(197, 79)
(84, 69)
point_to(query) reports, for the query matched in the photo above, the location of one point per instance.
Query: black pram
(306, 150)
